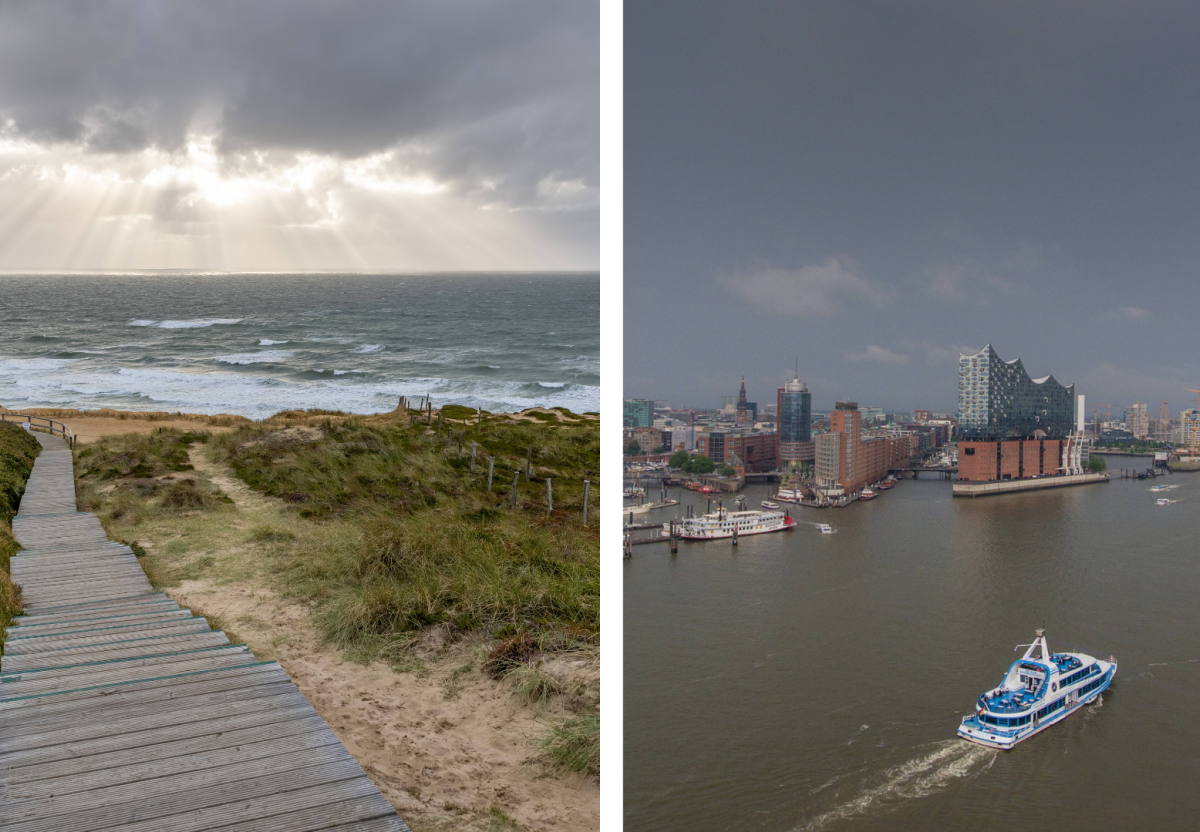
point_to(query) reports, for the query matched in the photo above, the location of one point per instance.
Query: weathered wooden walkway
(120, 710)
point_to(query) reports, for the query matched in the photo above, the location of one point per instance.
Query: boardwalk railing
(41, 423)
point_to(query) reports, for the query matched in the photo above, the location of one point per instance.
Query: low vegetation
(18, 450)
(386, 526)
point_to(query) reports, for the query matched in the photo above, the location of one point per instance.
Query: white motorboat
(1040, 689)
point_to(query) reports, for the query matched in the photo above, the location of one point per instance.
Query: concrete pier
(983, 489)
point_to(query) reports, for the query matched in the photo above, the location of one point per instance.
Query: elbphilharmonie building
(998, 400)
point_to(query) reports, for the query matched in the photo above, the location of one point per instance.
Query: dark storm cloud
(488, 98)
(873, 186)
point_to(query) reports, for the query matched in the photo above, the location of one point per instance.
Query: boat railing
(42, 425)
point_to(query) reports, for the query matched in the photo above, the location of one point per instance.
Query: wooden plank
(181, 712)
(286, 812)
(78, 678)
(36, 618)
(32, 630)
(113, 634)
(159, 692)
(96, 603)
(94, 751)
(170, 794)
(86, 667)
(56, 780)
(141, 647)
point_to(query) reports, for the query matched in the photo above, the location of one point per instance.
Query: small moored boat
(769, 504)
(1040, 689)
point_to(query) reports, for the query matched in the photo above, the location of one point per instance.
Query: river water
(808, 682)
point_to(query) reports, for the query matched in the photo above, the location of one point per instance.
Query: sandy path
(435, 742)
(90, 428)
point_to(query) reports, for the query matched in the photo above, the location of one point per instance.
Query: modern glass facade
(795, 412)
(998, 400)
(639, 413)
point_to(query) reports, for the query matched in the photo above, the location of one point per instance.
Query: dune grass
(18, 451)
(574, 743)
(424, 542)
(385, 529)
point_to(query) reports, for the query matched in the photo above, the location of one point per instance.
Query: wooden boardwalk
(120, 710)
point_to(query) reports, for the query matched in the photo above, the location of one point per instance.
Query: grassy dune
(18, 450)
(382, 526)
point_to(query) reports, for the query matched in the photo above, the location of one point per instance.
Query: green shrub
(18, 450)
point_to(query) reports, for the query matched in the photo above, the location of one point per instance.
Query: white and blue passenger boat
(1040, 689)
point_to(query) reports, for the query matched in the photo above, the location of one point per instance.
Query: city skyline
(879, 188)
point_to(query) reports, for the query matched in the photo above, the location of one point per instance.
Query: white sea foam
(59, 382)
(260, 357)
(267, 342)
(194, 324)
(198, 323)
(370, 348)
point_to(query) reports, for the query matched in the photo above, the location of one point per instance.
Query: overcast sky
(280, 134)
(874, 187)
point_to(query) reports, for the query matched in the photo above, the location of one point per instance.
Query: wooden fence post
(491, 462)
(513, 498)
(549, 496)
(587, 485)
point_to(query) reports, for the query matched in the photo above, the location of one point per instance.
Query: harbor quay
(983, 489)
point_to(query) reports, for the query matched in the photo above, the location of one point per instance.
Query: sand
(444, 744)
(89, 426)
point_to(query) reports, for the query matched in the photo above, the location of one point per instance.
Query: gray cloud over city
(464, 130)
(873, 187)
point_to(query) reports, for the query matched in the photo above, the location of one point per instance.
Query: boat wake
(949, 760)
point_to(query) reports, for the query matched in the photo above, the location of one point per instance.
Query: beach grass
(385, 530)
(574, 743)
(18, 451)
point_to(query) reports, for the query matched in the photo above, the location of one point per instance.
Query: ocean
(255, 344)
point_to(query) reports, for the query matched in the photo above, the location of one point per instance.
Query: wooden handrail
(51, 426)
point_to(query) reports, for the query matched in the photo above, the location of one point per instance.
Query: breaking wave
(195, 324)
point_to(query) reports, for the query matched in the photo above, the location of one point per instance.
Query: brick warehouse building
(848, 459)
(1010, 426)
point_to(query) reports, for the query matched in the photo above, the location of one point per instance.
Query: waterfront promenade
(982, 489)
(120, 710)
